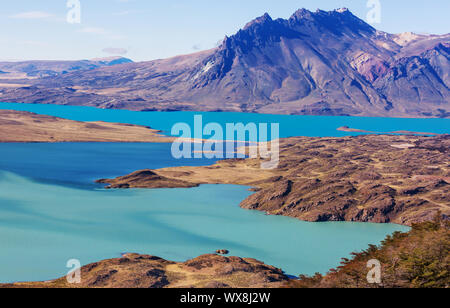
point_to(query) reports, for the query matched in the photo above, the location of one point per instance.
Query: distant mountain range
(314, 63)
(34, 69)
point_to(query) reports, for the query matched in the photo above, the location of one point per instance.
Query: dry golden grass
(143, 271)
(20, 126)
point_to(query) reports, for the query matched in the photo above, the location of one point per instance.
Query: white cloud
(32, 15)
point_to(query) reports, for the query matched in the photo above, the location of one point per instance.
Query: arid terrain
(373, 178)
(20, 126)
(143, 271)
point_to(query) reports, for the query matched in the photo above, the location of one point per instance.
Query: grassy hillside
(417, 259)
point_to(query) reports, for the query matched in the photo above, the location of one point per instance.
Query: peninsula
(374, 178)
(21, 126)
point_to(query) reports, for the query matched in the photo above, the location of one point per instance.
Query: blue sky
(152, 29)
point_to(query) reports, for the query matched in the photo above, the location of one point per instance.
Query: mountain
(33, 69)
(314, 63)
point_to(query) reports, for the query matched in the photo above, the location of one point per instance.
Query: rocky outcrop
(144, 271)
(145, 179)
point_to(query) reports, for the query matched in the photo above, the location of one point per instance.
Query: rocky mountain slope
(314, 63)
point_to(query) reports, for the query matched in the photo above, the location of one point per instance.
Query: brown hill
(143, 271)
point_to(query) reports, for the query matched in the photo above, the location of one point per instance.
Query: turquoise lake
(290, 125)
(51, 211)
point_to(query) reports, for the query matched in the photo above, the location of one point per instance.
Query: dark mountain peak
(337, 21)
(258, 33)
(262, 20)
(263, 32)
(345, 18)
(308, 15)
(301, 14)
(304, 22)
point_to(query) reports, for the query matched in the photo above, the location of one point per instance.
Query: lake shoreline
(427, 240)
(27, 127)
(220, 217)
(353, 168)
(316, 162)
(35, 128)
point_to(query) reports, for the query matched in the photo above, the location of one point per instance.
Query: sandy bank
(21, 126)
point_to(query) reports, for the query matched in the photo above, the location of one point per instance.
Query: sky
(153, 29)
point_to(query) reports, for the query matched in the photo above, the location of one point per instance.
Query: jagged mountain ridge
(315, 63)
